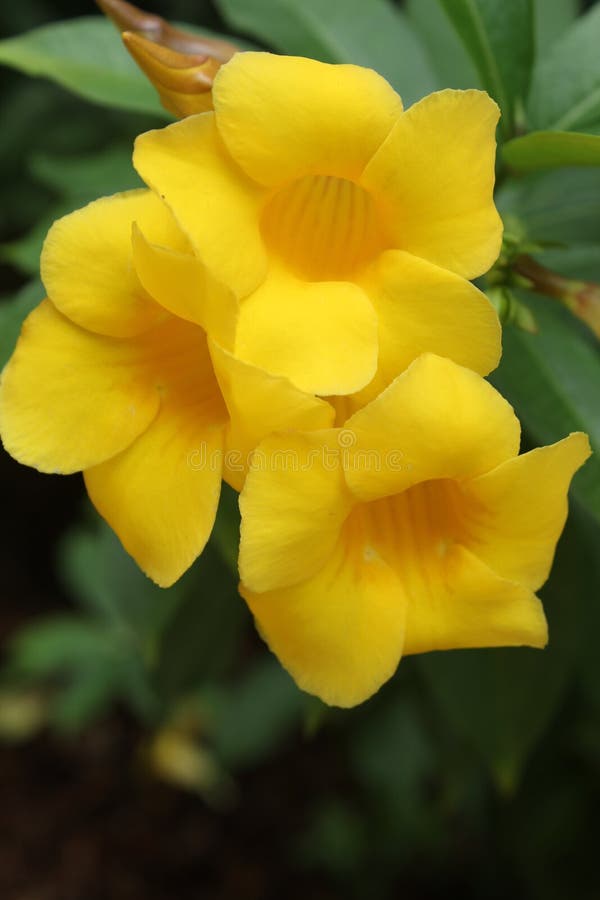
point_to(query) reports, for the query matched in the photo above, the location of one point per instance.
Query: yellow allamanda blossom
(345, 227)
(302, 253)
(106, 381)
(416, 527)
(283, 232)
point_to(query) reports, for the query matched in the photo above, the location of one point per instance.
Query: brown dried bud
(181, 66)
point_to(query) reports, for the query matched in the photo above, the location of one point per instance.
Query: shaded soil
(80, 818)
(79, 823)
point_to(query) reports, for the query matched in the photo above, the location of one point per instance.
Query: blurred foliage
(476, 770)
(500, 41)
(83, 56)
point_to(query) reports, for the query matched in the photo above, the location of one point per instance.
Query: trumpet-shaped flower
(415, 527)
(345, 227)
(106, 380)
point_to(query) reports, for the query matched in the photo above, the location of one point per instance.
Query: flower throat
(323, 228)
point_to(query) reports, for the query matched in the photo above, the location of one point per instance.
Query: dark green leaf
(226, 531)
(60, 644)
(24, 253)
(200, 640)
(588, 658)
(83, 178)
(87, 697)
(502, 701)
(336, 840)
(559, 206)
(499, 36)
(252, 717)
(76, 181)
(93, 663)
(553, 380)
(447, 55)
(184, 634)
(392, 755)
(578, 261)
(565, 88)
(105, 579)
(86, 56)
(339, 31)
(13, 313)
(552, 18)
(552, 150)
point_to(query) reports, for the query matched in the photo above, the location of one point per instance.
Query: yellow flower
(107, 381)
(346, 227)
(416, 527)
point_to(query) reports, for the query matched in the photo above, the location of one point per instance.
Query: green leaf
(226, 530)
(555, 206)
(86, 698)
(199, 642)
(578, 261)
(446, 52)
(182, 635)
(588, 658)
(76, 181)
(501, 701)
(565, 88)
(552, 18)
(552, 378)
(392, 756)
(13, 313)
(60, 644)
(24, 253)
(252, 717)
(336, 842)
(104, 578)
(552, 150)
(93, 663)
(499, 36)
(86, 56)
(339, 31)
(84, 177)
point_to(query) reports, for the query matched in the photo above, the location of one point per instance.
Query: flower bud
(181, 66)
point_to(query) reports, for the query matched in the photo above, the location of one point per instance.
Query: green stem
(581, 297)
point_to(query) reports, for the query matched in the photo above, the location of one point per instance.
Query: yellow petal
(215, 204)
(453, 599)
(462, 604)
(161, 494)
(293, 506)
(340, 633)
(71, 399)
(283, 117)
(434, 175)
(521, 507)
(437, 420)
(320, 335)
(422, 308)
(86, 263)
(259, 404)
(181, 284)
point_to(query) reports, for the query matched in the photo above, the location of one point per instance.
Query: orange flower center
(414, 531)
(323, 228)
